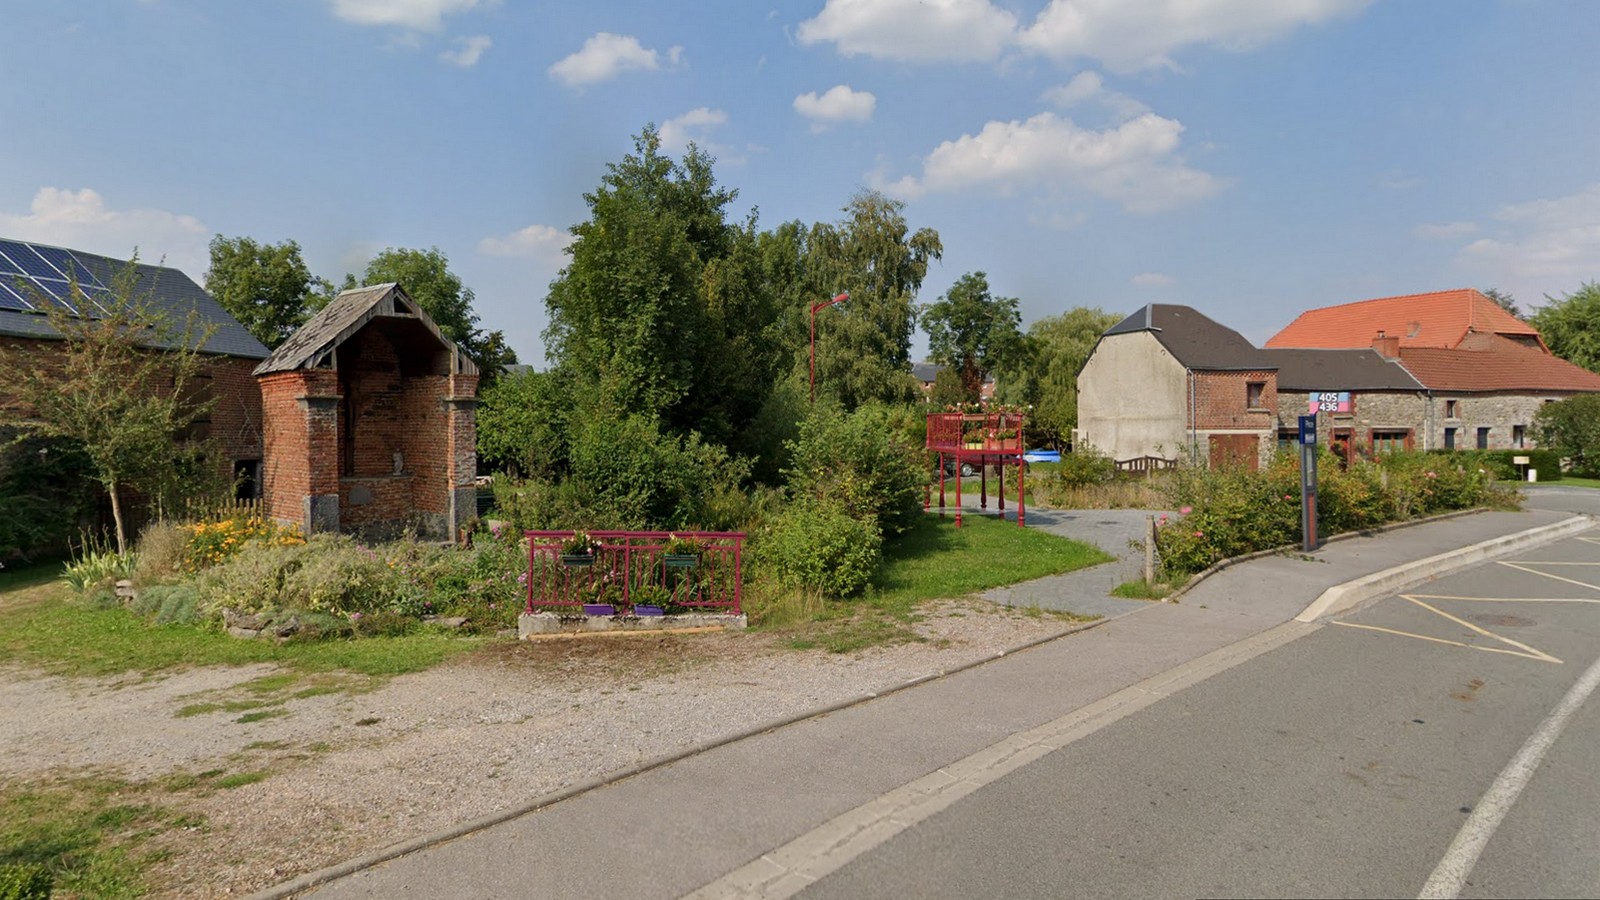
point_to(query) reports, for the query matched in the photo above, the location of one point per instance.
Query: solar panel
(57, 290)
(31, 262)
(10, 299)
(7, 267)
(67, 264)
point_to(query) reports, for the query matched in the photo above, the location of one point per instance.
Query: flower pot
(599, 609)
(577, 560)
(644, 609)
(680, 560)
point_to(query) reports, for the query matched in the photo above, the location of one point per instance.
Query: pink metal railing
(625, 561)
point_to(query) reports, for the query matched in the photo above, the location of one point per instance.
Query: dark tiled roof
(168, 291)
(1504, 366)
(1439, 319)
(348, 313)
(1339, 370)
(1194, 340)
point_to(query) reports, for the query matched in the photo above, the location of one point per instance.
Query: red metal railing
(980, 440)
(626, 561)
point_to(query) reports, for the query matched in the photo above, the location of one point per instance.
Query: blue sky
(1251, 158)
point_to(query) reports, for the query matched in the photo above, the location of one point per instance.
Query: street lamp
(826, 303)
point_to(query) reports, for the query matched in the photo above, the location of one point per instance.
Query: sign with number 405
(1329, 402)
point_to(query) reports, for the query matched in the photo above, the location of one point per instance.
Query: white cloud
(913, 30)
(1447, 231)
(1555, 243)
(838, 104)
(537, 242)
(468, 51)
(1128, 35)
(1135, 163)
(80, 220)
(606, 56)
(1152, 280)
(679, 131)
(1088, 87)
(417, 15)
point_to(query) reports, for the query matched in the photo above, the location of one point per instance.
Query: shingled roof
(1438, 319)
(167, 291)
(1194, 340)
(1502, 365)
(313, 345)
(1339, 370)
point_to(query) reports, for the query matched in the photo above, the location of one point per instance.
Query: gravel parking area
(351, 767)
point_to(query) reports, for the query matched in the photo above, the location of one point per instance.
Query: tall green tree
(1571, 427)
(1503, 300)
(426, 276)
(120, 387)
(267, 287)
(863, 346)
(665, 308)
(1045, 373)
(1571, 326)
(972, 331)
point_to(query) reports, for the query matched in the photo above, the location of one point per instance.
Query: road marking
(1527, 652)
(1512, 565)
(1450, 876)
(1508, 599)
(791, 868)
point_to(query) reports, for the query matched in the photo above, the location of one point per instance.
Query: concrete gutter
(1342, 597)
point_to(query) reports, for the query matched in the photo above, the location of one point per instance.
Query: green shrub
(168, 604)
(96, 566)
(1083, 467)
(1571, 428)
(22, 881)
(819, 547)
(861, 462)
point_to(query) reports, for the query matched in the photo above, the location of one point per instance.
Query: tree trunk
(116, 516)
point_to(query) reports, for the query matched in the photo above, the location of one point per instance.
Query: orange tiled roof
(1504, 365)
(1439, 319)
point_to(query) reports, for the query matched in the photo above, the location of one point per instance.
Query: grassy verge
(1575, 481)
(1141, 590)
(43, 628)
(935, 560)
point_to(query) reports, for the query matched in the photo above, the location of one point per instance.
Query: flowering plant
(580, 544)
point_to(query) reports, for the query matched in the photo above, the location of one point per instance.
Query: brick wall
(1220, 406)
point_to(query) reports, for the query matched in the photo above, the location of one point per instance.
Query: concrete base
(542, 624)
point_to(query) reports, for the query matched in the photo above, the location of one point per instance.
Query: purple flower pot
(599, 609)
(643, 609)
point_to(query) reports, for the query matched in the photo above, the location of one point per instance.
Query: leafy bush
(861, 462)
(45, 490)
(168, 604)
(163, 549)
(1083, 467)
(1571, 427)
(95, 567)
(1500, 465)
(819, 547)
(23, 881)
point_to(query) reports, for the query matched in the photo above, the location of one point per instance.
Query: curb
(334, 872)
(1345, 596)
(1219, 565)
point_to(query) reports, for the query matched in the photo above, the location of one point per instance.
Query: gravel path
(364, 765)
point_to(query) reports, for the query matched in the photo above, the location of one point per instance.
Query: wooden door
(1230, 450)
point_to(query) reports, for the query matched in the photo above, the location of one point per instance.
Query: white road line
(1450, 876)
(1548, 575)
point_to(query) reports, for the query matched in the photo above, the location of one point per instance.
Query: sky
(1249, 158)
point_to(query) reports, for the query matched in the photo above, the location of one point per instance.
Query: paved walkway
(671, 830)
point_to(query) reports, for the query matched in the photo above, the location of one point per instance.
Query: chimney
(1387, 347)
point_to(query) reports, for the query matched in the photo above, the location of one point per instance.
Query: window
(247, 479)
(1451, 410)
(1450, 438)
(1252, 394)
(1288, 438)
(1390, 441)
(1483, 438)
(1519, 434)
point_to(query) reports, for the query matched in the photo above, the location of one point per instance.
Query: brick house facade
(369, 416)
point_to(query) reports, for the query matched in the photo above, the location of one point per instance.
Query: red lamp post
(816, 306)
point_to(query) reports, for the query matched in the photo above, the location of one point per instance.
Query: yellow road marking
(1437, 640)
(1539, 654)
(1512, 565)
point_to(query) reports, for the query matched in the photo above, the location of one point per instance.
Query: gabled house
(370, 421)
(1442, 319)
(1169, 382)
(32, 274)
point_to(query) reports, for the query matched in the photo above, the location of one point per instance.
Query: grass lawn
(42, 627)
(936, 560)
(1575, 481)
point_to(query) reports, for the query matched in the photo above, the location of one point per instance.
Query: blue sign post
(1308, 482)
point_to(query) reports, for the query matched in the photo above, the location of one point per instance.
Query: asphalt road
(1349, 762)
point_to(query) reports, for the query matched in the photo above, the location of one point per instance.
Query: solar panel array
(32, 275)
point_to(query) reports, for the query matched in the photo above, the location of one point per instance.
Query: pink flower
(1287, 497)
(1199, 534)
(1185, 510)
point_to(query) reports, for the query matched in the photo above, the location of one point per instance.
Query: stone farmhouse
(1447, 370)
(362, 421)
